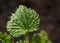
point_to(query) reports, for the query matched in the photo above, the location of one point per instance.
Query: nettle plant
(23, 21)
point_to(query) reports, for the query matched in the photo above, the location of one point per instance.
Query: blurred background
(49, 11)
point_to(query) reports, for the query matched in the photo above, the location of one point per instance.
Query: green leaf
(5, 38)
(36, 38)
(41, 37)
(22, 21)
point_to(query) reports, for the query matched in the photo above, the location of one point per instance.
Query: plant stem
(43, 41)
(27, 38)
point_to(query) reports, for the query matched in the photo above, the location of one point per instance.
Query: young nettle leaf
(24, 20)
(41, 37)
(36, 38)
(5, 38)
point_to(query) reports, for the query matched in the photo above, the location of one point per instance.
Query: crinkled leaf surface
(22, 21)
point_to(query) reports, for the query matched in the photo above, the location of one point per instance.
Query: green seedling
(41, 37)
(23, 21)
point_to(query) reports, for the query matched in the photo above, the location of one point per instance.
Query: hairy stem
(27, 38)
